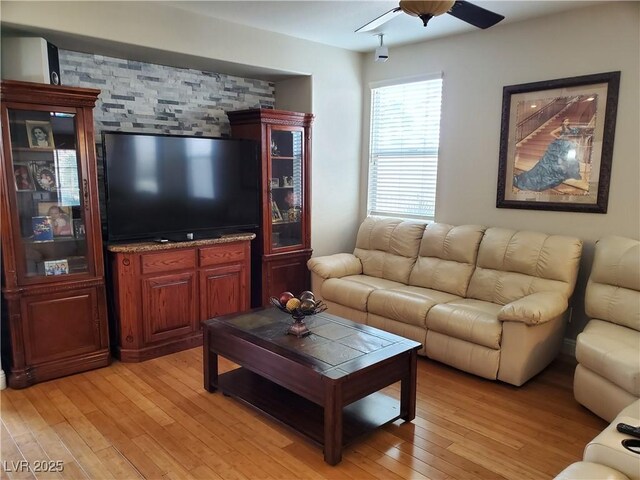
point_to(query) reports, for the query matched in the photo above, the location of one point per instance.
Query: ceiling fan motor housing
(425, 9)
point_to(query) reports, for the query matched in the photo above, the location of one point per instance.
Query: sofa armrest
(533, 309)
(335, 266)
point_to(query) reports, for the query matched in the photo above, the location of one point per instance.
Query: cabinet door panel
(60, 325)
(289, 273)
(223, 290)
(168, 306)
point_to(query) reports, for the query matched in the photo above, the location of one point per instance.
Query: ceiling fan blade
(476, 16)
(384, 18)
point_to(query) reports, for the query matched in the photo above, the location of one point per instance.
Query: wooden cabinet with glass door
(284, 239)
(53, 273)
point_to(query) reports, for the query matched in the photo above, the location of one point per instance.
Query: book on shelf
(42, 229)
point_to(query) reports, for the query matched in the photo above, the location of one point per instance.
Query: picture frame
(556, 143)
(56, 267)
(79, 230)
(45, 176)
(39, 134)
(275, 182)
(276, 216)
(42, 229)
(23, 178)
(61, 218)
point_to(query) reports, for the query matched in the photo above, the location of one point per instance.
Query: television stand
(162, 291)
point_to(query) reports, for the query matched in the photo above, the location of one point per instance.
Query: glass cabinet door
(286, 187)
(47, 184)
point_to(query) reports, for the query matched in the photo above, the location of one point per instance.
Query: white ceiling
(333, 22)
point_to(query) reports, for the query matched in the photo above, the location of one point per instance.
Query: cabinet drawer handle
(85, 183)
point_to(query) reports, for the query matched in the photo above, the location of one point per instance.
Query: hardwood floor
(155, 420)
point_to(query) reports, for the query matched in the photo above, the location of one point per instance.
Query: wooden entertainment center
(161, 292)
(55, 322)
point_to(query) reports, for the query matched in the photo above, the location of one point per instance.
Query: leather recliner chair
(607, 377)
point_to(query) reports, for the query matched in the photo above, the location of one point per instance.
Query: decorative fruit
(284, 297)
(292, 304)
(307, 294)
(307, 305)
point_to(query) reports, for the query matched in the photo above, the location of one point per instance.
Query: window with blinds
(403, 162)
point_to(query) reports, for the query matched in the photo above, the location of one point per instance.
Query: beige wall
(477, 65)
(330, 83)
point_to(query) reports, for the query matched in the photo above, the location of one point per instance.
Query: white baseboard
(569, 347)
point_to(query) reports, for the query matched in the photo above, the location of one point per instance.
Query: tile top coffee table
(325, 386)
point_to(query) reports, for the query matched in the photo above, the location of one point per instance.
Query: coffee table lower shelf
(302, 415)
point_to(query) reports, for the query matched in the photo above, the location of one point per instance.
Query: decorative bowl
(299, 329)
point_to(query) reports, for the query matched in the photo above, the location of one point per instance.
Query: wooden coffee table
(325, 386)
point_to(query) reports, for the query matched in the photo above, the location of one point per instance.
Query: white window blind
(403, 162)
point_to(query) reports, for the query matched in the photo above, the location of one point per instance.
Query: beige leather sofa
(608, 350)
(605, 457)
(489, 301)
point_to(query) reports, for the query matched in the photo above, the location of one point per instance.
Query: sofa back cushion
(388, 247)
(613, 289)
(447, 257)
(512, 264)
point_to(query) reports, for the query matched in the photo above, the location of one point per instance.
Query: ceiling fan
(426, 10)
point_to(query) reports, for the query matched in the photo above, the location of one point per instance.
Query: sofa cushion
(611, 351)
(388, 247)
(605, 449)
(447, 257)
(353, 291)
(471, 320)
(406, 304)
(591, 471)
(512, 264)
(613, 290)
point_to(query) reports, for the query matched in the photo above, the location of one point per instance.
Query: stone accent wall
(148, 98)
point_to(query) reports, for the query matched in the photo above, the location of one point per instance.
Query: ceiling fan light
(420, 8)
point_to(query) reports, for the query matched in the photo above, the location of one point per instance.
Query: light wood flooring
(155, 420)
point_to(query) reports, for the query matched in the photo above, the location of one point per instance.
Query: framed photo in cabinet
(23, 178)
(56, 267)
(39, 134)
(60, 216)
(276, 216)
(45, 176)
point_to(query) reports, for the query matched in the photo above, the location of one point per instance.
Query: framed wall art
(556, 143)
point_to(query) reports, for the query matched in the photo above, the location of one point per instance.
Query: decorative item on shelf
(298, 307)
(275, 182)
(78, 228)
(42, 229)
(274, 148)
(45, 177)
(293, 214)
(56, 267)
(287, 181)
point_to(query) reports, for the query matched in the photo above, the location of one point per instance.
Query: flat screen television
(179, 187)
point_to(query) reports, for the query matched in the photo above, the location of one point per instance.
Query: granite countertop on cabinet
(154, 246)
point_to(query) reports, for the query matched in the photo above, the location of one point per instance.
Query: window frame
(370, 154)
